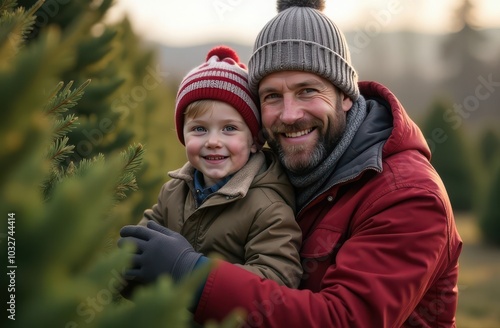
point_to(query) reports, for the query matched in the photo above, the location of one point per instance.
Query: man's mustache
(281, 128)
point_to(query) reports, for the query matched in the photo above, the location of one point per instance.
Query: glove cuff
(185, 264)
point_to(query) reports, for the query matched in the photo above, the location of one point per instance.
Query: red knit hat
(222, 77)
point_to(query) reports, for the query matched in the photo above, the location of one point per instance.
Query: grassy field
(479, 280)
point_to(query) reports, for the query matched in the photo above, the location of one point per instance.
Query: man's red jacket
(380, 246)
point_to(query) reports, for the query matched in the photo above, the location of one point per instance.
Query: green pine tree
(489, 148)
(489, 218)
(62, 217)
(451, 156)
(489, 210)
(99, 57)
(129, 99)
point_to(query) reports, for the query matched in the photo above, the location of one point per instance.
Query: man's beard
(299, 159)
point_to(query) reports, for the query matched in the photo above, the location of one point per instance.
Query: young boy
(231, 197)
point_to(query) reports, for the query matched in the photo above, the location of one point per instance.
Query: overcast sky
(188, 22)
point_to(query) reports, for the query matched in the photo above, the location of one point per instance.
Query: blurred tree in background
(63, 206)
(489, 217)
(489, 211)
(470, 58)
(451, 156)
(489, 148)
(488, 151)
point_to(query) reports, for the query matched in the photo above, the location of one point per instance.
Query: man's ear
(346, 102)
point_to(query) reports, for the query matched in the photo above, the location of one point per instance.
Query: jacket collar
(406, 134)
(238, 185)
(386, 130)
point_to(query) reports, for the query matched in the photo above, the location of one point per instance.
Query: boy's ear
(253, 148)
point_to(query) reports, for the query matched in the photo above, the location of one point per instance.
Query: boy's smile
(218, 142)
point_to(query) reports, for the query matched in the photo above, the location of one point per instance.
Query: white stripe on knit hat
(222, 85)
(220, 66)
(211, 72)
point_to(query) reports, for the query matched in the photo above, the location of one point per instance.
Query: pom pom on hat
(223, 52)
(314, 4)
(226, 54)
(221, 77)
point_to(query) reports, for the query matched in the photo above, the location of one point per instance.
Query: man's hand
(159, 250)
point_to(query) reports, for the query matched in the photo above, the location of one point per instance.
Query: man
(380, 247)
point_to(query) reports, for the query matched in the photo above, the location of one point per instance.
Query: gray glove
(159, 250)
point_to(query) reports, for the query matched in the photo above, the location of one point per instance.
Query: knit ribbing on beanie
(217, 83)
(303, 39)
(312, 183)
(208, 80)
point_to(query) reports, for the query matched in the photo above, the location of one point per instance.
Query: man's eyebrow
(267, 90)
(307, 83)
(297, 85)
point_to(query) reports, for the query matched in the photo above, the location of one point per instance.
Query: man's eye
(271, 96)
(309, 90)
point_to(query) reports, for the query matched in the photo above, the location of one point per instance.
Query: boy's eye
(199, 129)
(230, 128)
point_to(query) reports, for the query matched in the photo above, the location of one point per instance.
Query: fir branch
(15, 25)
(86, 165)
(59, 150)
(70, 170)
(133, 160)
(11, 35)
(133, 157)
(56, 90)
(50, 182)
(127, 182)
(62, 101)
(64, 126)
(7, 5)
(30, 19)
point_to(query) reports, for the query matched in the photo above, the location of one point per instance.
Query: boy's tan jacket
(250, 221)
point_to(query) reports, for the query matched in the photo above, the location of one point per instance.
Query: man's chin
(297, 160)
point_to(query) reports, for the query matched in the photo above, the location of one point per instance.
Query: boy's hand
(159, 250)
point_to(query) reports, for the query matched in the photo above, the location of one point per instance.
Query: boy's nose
(213, 140)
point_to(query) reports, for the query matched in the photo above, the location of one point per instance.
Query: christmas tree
(62, 212)
(128, 101)
(451, 156)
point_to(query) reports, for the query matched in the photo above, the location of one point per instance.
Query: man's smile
(298, 133)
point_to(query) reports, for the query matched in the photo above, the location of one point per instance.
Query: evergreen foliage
(451, 156)
(61, 215)
(489, 219)
(127, 102)
(489, 148)
(489, 214)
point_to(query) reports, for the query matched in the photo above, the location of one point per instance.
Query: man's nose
(291, 111)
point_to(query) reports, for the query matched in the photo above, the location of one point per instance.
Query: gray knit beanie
(302, 38)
